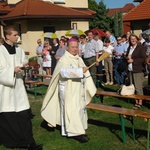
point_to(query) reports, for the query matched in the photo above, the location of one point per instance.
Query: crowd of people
(72, 85)
(91, 47)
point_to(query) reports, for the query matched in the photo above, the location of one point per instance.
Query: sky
(116, 3)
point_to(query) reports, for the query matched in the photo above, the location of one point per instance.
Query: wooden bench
(42, 76)
(121, 112)
(101, 93)
(36, 85)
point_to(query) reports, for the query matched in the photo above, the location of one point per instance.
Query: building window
(74, 26)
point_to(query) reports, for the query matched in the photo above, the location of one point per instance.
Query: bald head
(72, 47)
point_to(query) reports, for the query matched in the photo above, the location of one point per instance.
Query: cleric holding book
(70, 90)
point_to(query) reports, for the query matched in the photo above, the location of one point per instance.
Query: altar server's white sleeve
(7, 76)
(71, 73)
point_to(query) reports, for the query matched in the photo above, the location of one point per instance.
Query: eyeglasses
(118, 39)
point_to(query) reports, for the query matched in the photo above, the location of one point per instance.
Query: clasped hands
(18, 69)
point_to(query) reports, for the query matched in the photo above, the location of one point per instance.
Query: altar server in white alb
(70, 90)
(15, 122)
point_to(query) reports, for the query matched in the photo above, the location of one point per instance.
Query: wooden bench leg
(122, 119)
(148, 135)
(98, 97)
(35, 91)
(123, 128)
(133, 133)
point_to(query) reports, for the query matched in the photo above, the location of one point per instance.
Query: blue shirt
(121, 49)
(39, 49)
(113, 40)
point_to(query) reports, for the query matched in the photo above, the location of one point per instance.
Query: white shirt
(109, 49)
(100, 45)
(130, 66)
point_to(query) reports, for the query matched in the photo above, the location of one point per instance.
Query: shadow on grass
(115, 127)
(44, 125)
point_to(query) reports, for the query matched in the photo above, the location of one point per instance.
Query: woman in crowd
(136, 55)
(53, 53)
(108, 62)
(61, 49)
(47, 57)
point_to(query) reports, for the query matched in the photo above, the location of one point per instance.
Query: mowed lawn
(104, 129)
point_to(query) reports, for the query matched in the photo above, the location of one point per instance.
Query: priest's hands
(17, 69)
(84, 69)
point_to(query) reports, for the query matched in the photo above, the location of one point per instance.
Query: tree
(116, 24)
(101, 21)
(120, 25)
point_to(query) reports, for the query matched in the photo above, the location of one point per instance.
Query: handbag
(127, 90)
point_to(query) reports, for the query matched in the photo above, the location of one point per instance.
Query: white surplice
(13, 96)
(69, 92)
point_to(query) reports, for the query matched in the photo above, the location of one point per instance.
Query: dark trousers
(119, 76)
(88, 62)
(16, 129)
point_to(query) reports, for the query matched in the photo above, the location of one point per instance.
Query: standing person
(91, 54)
(112, 39)
(39, 54)
(15, 122)
(124, 40)
(141, 39)
(108, 65)
(70, 90)
(61, 50)
(136, 55)
(46, 57)
(119, 53)
(97, 38)
(82, 45)
(52, 53)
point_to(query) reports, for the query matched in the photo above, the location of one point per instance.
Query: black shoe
(35, 147)
(81, 138)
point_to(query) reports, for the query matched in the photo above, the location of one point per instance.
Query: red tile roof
(140, 12)
(125, 9)
(39, 8)
(4, 9)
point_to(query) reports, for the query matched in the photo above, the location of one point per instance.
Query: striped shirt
(91, 48)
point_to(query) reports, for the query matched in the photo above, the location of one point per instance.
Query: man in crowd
(39, 54)
(91, 54)
(119, 51)
(15, 122)
(70, 90)
(111, 38)
(97, 38)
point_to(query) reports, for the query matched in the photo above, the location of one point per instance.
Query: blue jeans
(119, 76)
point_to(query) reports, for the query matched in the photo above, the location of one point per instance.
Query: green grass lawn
(104, 130)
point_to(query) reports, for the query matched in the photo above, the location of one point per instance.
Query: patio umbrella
(146, 33)
(74, 32)
(100, 32)
(50, 35)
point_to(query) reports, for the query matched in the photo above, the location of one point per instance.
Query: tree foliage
(101, 21)
(121, 31)
(116, 26)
